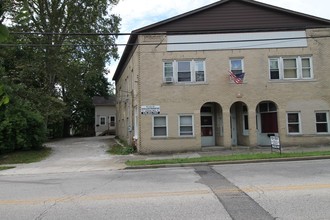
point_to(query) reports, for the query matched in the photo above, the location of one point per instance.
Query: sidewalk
(217, 151)
(89, 154)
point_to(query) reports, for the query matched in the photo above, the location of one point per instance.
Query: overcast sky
(139, 13)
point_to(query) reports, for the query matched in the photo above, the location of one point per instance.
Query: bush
(20, 127)
(118, 149)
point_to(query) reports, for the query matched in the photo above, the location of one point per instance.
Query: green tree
(3, 29)
(67, 57)
(21, 126)
(4, 99)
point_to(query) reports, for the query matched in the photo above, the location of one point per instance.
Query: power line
(161, 43)
(86, 34)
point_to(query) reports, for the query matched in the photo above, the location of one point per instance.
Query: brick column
(226, 128)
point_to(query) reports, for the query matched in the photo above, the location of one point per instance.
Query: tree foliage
(59, 61)
(21, 127)
(3, 29)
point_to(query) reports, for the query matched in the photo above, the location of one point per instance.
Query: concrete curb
(227, 162)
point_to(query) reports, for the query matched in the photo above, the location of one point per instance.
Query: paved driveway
(74, 155)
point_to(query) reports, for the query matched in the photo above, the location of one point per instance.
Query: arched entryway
(239, 124)
(267, 122)
(211, 125)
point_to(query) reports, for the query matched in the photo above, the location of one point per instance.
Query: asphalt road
(281, 190)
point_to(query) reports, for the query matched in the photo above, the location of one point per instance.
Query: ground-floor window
(322, 123)
(102, 120)
(186, 127)
(112, 120)
(293, 122)
(159, 126)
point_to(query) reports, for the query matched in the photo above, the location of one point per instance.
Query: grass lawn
(219, 158)
(6, 167)
(23, 157)
(120, 150)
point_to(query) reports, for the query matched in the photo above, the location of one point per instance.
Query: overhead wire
(143, 44)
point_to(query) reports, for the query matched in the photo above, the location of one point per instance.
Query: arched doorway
(239, 124)
(267, 122)
(211, 124)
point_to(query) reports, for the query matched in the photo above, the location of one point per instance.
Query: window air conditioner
(169, 79)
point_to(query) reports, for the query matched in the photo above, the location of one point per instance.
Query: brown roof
(223, 17)
(102, 101)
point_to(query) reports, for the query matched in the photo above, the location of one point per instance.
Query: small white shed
(105, 115)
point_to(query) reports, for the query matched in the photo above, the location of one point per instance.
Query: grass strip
(120, 150)
(233, 157)
(25, 156)
(6, 167)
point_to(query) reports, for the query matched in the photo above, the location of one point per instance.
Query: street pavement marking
(161, 194)
(104, 197)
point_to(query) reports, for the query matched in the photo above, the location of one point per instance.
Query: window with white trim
(186, 125)
(168, 69)
(159, 124)
(102, 120)
(112, 121)
(290, 68)
(237, 66)
(293, 122)
(322, 122)
(184, 71)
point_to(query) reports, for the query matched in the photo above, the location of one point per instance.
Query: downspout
(139, 96)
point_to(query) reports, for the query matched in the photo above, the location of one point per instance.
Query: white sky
(136, 14)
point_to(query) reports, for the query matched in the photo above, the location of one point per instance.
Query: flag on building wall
(238, 78)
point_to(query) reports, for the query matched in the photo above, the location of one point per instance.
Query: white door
(207, 129)
(233, 127)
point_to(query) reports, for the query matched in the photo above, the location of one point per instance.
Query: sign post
(275, 143)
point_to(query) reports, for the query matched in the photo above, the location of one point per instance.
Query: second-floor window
(236, 66)
(290, 68)
(184, 71)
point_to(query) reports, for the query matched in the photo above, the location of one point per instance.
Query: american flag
(238, 78)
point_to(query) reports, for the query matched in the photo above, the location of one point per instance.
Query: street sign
(150, 109)
(275, 143)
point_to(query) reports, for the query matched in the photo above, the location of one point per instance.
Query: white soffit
(258, 40)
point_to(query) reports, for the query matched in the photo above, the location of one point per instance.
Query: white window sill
(173, 138)
(184, 83)
(290, 80)
(295, 134)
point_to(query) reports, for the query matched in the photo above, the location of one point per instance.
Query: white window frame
(236, 59)
(164, 67)
(326, 122)
(192, 125)
(105, 120)
(288, 123)
(234, 70)
(114, 121)
(299, 67)
(153, 125)
(193, 70)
